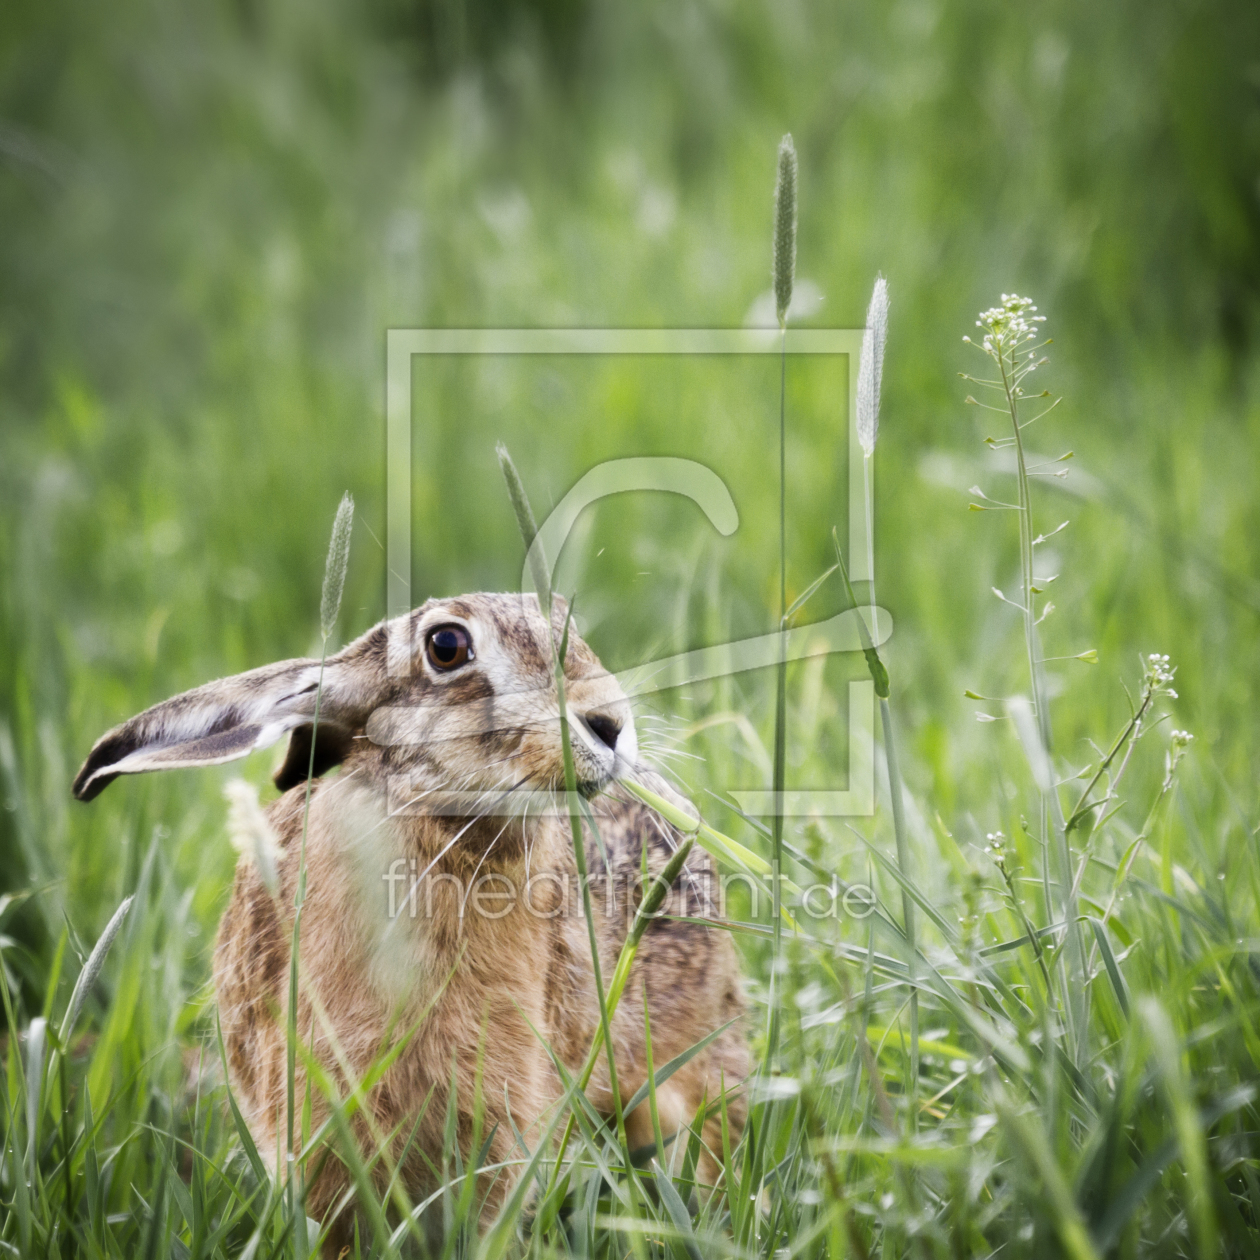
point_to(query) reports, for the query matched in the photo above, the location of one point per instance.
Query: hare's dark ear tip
(88, 787)
(90, 782)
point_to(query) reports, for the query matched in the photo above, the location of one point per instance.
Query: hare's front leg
(690, 974)
(689, 970)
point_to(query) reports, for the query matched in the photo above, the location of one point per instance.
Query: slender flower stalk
(784, 271)
(869, 385)
(607, 999)
(1011, 332)
(329, 608)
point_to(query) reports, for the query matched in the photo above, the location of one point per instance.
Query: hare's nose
(604, 728)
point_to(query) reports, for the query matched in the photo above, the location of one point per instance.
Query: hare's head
(458, 696)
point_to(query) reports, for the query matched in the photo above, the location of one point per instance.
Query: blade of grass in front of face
(715, 843)
(579, 855)
(529, 531)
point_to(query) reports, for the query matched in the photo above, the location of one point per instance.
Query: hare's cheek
(541, 756)
(496, 746)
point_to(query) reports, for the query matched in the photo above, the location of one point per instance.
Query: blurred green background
(212, 213)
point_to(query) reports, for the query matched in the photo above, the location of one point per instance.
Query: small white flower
(1009, 326)
(996, 848)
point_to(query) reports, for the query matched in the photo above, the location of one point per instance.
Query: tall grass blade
(666, 1070)
(91, 971)
(1194, 1154)
(35, 1039)
(879, 675)
(1025, 1134)
(677, 1210)
(529, 529)
(1109, 961)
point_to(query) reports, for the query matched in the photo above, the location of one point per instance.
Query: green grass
(217, 216)
(1082, 1108)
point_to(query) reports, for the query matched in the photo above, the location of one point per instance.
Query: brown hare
(442, 884)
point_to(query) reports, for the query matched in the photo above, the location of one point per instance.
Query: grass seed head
(871, 367)
(250, 832)
(335, 567)
(785, 229)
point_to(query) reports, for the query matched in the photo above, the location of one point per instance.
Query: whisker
(415, 885)
(477, 868)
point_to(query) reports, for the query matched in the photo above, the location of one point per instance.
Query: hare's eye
(449, 647)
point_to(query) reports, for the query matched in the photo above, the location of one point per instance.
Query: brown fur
(481, 992)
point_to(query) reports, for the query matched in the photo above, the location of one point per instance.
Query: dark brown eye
(449, 647)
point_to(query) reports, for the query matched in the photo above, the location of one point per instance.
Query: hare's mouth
(592, 784)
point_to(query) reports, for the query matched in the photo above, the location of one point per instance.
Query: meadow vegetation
(213, 213)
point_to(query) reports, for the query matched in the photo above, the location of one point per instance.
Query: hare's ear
(220, 722)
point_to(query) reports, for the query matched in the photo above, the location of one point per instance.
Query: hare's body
(490, 989)
(443, 911)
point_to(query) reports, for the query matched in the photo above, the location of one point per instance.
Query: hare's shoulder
(626, 827)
